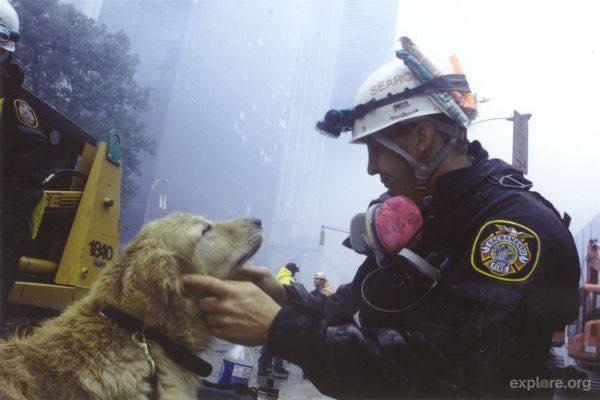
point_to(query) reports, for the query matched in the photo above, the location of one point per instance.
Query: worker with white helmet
(489, 272)
(9, 28)
(322, 285)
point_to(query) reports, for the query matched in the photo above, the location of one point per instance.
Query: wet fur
(81, 355)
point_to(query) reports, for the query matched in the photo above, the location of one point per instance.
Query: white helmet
(9, 26)
(320, 275)
(393, 77)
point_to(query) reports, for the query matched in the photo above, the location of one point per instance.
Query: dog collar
(174, 351)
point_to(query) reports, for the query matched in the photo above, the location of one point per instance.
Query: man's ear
(152, 284)
(424, 139)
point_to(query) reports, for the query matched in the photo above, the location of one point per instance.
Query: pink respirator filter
(396, 221)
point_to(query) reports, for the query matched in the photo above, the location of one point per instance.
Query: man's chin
(413, 195)
(396, 191)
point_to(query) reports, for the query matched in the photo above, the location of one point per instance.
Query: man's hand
(263, 278)
(238, 312)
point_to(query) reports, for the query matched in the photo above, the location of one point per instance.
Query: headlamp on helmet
(335, 122)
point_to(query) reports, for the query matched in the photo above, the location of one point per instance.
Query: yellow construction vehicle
(75, 227)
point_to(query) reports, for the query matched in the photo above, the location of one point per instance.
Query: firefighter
(508, 265)
(24, 155)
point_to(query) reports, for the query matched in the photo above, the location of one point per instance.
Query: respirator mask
(388, 231)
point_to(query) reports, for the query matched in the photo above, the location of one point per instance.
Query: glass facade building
(237, 89)
(156, 29)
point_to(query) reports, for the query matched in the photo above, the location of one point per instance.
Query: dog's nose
(256, 222)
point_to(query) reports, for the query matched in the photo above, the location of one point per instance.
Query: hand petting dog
(264, 279)
(239, 311)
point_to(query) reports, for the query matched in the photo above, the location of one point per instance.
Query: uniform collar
(454, 185)
(453, 189)
(12, 76)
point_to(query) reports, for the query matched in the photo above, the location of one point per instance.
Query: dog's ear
(152, 284)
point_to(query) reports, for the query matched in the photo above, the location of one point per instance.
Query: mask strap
(371, 234)
(393, 310)
(421, 265)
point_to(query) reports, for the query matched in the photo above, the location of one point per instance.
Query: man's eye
(206, 229)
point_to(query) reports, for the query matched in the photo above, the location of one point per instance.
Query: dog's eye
(206, 229)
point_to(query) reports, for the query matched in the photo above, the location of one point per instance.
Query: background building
(91, 8)
(319, 176)
(237, 89)
(231, 107)
(156, 29)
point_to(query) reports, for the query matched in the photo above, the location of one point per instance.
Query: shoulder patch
(25, 114)
(506, 251)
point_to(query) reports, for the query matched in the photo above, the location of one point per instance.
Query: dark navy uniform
(509, 281)
(25, 163)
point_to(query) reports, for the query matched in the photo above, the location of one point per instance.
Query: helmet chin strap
(423, 171)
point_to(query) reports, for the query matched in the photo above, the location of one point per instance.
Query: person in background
(286, 274)
(267, 363)
(322, 285)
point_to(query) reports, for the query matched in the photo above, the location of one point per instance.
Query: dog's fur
(81, 355)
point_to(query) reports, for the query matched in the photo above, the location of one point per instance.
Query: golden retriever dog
(82, 354)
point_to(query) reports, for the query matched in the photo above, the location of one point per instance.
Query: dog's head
(147, 281)
(217, 249)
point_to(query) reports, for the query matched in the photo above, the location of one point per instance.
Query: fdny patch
(25, 114)
(506, 251)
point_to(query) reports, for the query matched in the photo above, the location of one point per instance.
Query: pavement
(295, 387)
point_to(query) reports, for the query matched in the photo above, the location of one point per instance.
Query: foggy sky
(539, 57)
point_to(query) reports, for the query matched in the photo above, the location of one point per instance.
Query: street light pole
(493, 119)
(156, 182)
